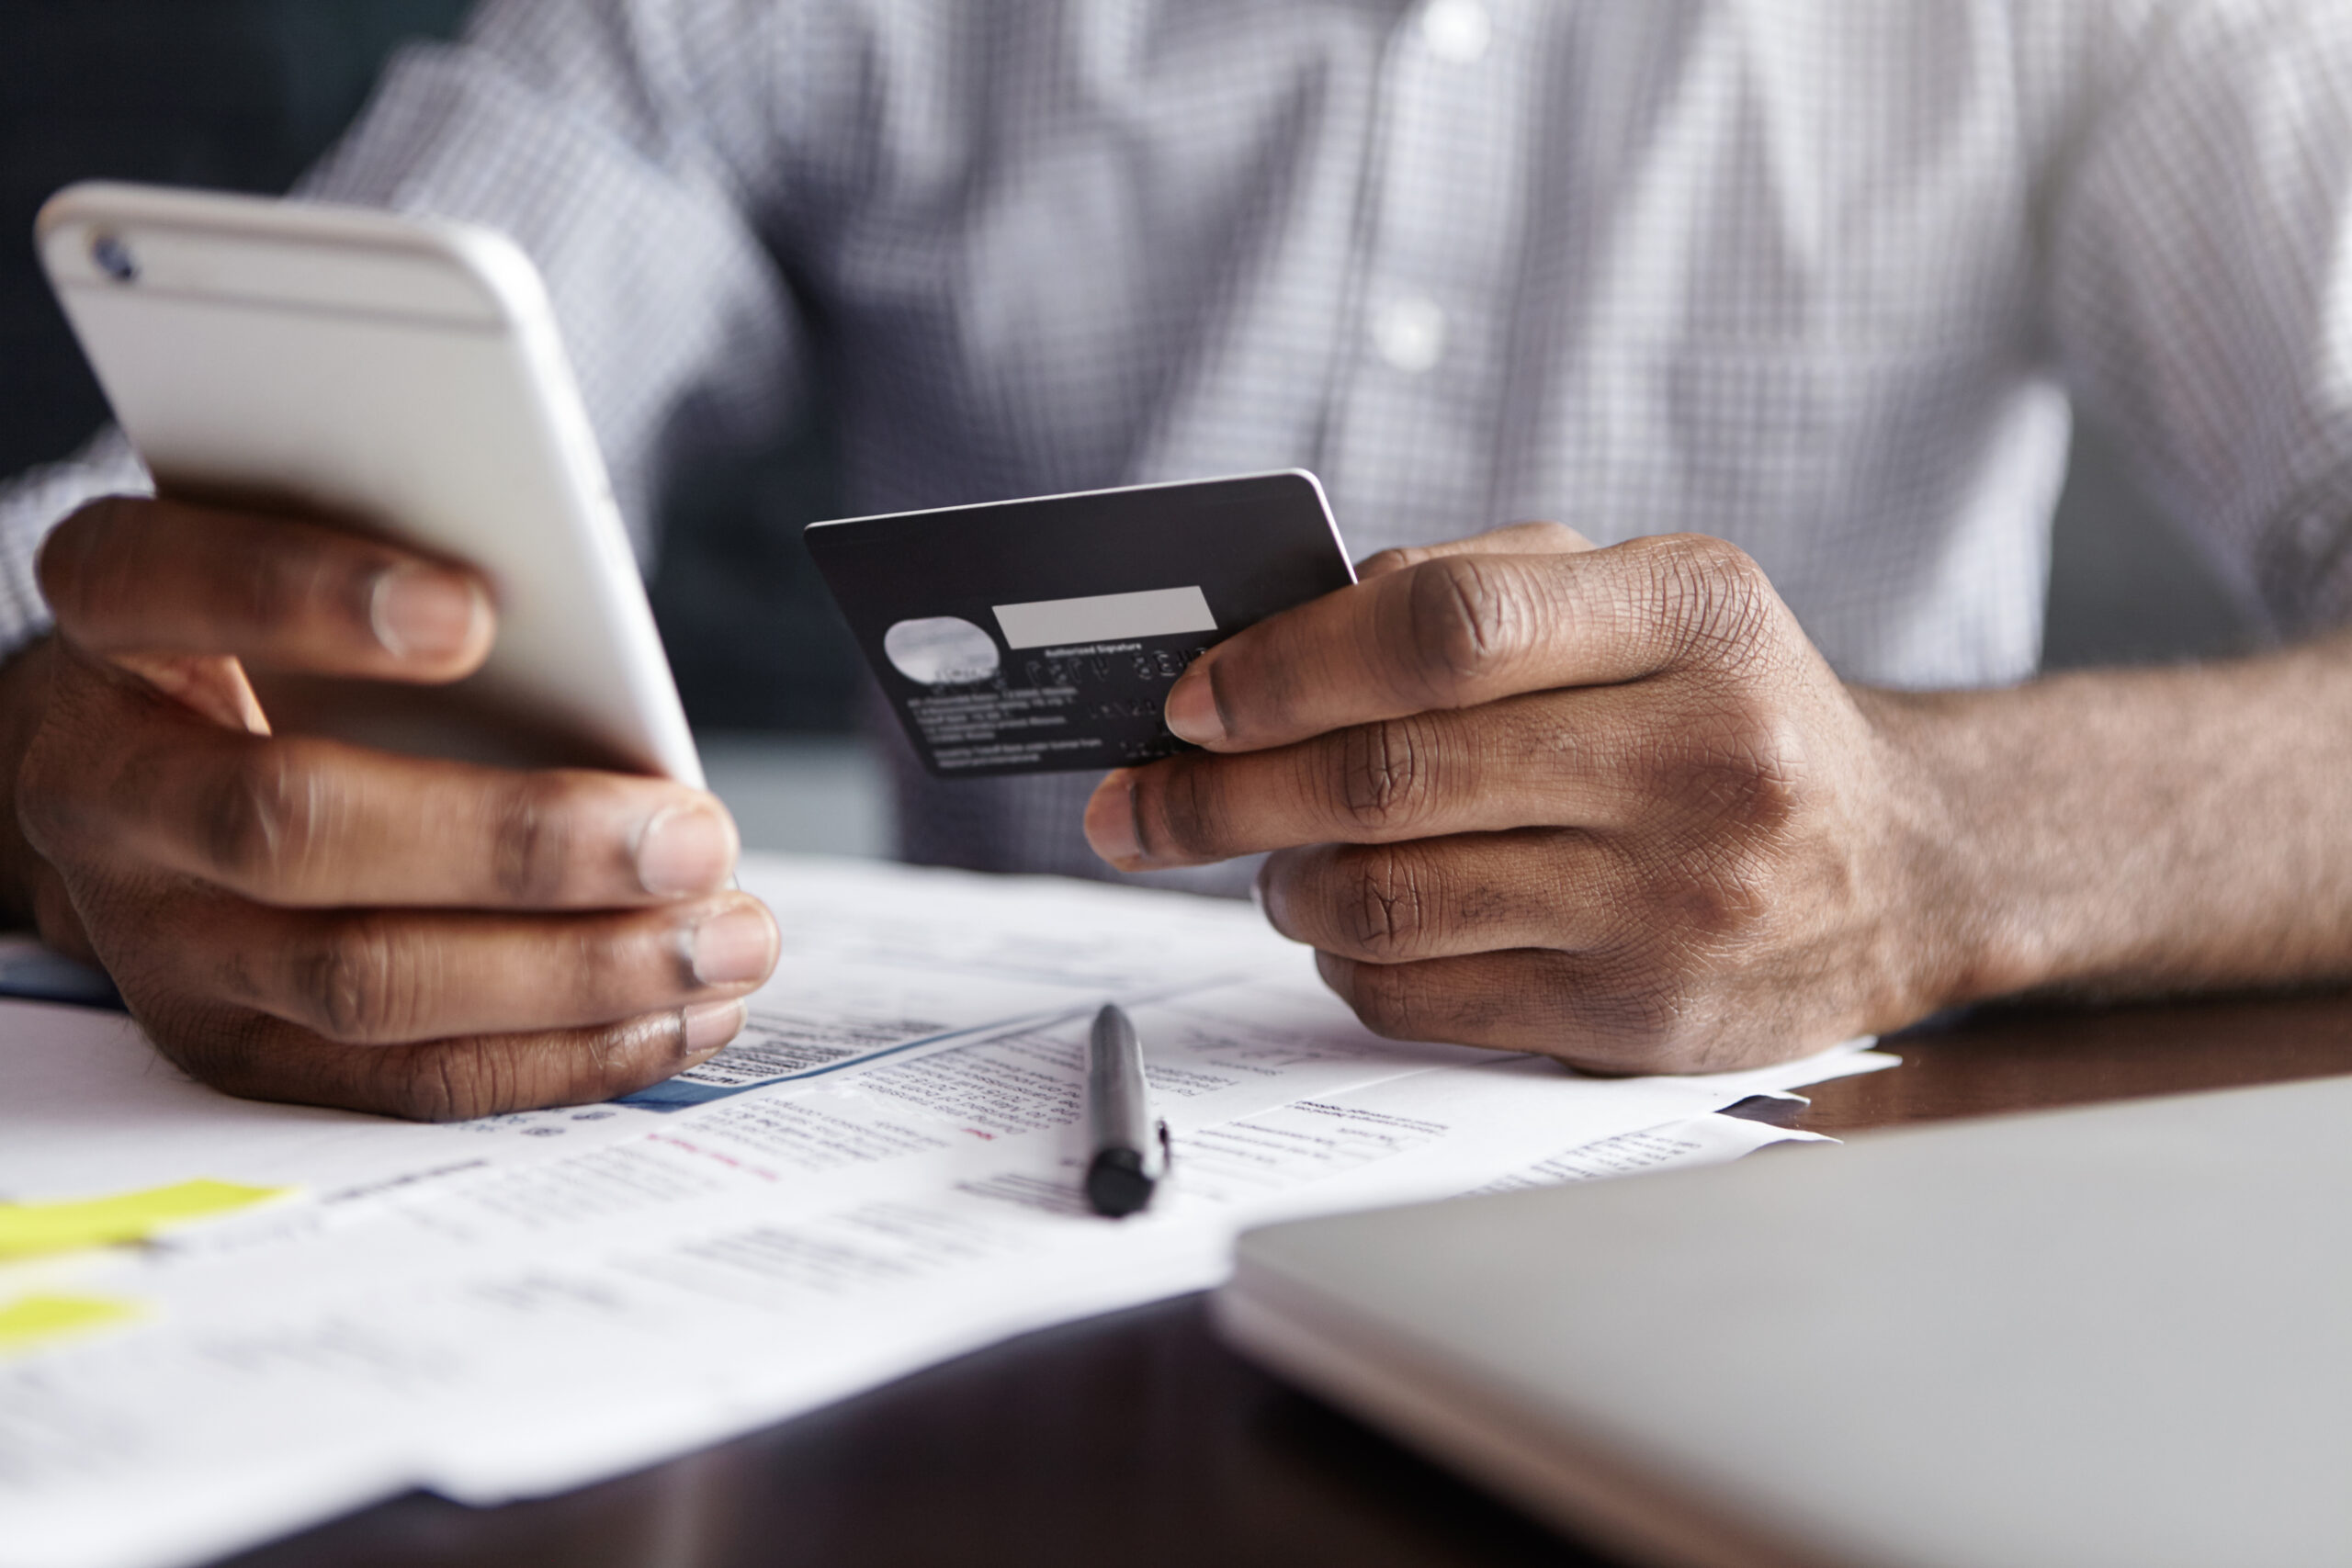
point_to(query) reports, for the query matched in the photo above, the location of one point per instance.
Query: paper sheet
(876, 961)
(535, 1301)
(1704, 1140)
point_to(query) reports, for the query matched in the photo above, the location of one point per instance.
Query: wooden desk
(1137, 1440)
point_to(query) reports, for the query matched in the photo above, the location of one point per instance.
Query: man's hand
(296, 919)
(1607, 805)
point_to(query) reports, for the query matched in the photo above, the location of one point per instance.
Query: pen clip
(1167, 1148)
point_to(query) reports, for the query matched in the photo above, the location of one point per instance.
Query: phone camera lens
(114, 259)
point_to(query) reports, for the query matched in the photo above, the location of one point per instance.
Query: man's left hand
(1610, 804)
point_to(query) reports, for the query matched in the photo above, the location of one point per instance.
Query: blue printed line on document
(678, 1094)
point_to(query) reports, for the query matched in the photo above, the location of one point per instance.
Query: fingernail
(685, 849)
(1111, 818)
(710, 1025)
(1192, 707)
(731, 948)
(418, 613)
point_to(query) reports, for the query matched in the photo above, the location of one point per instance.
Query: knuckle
(1654, 994)
(1716, 600)
(227, 1050)
(1740, 761)
(1723, 899)
(456, 1081)
(1637, 1015)
(1184, 808)
(1695, 908)
(1466, 617)
(1665, 1035)
(259, 818)
(1393, 910)
(1547, 535)
(1436, 1001)
(1387, 777)
(532, 839)
(449, 1080)
(351, 985)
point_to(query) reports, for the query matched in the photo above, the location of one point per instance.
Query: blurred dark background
(242, 94)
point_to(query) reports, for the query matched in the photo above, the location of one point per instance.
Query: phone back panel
(396, 375)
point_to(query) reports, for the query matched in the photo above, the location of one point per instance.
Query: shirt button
(1409, 334)
(1457, 30)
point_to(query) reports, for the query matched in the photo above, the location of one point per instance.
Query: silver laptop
(2120, 1336)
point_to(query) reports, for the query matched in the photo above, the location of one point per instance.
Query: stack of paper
(881, 1173)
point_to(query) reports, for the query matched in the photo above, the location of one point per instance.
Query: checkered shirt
(1824, 278)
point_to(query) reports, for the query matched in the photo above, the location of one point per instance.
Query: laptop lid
(2111, 1335)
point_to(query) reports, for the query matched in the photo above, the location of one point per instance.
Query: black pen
(1130, 1147)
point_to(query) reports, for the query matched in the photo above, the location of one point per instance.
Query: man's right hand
(297, 919)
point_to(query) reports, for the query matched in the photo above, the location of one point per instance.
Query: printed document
(883, 1172)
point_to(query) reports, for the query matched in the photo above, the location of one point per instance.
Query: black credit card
(1041, 636)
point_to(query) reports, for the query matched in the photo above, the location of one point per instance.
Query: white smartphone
(399, 375)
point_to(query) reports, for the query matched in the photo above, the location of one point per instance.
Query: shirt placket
(1411, 435)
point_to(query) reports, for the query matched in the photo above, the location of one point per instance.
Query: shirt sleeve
(2200, 289)
(37, 501)
(621, 143)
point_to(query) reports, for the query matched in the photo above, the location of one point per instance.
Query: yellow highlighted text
(31, 1322)
(29, 1230)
